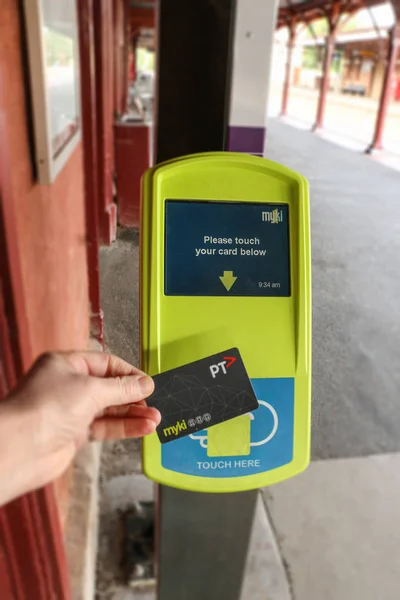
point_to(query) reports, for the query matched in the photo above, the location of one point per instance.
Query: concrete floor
(355, 215)
(338, 528)
(350, 116)
(120, 461)
(335, 528)
(338, 524)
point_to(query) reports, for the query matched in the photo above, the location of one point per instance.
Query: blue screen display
(226, 249)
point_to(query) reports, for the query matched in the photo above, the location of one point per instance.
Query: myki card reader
(225, 263)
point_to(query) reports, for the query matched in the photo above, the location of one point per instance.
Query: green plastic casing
(273, 334)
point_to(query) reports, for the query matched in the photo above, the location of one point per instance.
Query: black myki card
(201, 394)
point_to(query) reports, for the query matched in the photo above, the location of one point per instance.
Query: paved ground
(347, 116)
(355, 214)
(338, 527)
(332, 533)
(121, 464)
(338, 524)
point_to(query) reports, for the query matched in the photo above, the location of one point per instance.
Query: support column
(193, 87)
(118, 53)
(107, 210)
(126, 52)
(387, 88)
(333, 17)
(288, 69)
(324, 87)
(254, 31)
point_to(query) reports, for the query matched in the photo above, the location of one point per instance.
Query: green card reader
(225, 262)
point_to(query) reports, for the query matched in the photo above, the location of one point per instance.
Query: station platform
(334, 531)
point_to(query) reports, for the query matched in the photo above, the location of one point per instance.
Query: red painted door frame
(90, 161)
(103, 38)
(32, 559)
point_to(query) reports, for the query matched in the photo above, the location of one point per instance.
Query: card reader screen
(226, 249)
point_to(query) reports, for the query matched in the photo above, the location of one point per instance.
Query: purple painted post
(246, 139)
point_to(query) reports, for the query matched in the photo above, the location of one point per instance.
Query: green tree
(310, 57)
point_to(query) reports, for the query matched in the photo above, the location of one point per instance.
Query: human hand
(64, 400)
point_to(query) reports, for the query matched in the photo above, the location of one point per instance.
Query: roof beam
(396, 8)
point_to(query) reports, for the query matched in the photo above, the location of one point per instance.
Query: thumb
(113, 391)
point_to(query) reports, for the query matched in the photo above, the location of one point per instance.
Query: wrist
(16, 460)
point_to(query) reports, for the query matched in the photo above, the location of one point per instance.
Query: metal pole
(394, 45)
(202, 538)
(286, 85)
(194, 54)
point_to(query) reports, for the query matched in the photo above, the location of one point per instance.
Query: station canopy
(310, 10)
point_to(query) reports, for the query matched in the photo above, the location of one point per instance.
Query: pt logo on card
(222, 366)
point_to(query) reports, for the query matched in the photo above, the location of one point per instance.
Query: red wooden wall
(49, 234)
(44, 282)
(49, 220)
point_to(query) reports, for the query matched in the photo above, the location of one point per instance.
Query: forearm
(55, 406)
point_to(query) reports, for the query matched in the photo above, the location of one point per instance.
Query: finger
(132, 410)
(114, 391)
(119, 411)
(117, 429)
(141, 403)
(99, 364)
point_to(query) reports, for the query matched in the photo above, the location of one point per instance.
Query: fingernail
(146, 385)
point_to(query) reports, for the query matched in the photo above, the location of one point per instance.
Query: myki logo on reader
(222, 366)
(272, 216)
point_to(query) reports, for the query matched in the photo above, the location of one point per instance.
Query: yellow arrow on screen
(228, 279)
